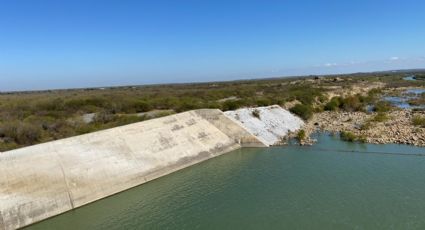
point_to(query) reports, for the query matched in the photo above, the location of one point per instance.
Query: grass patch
(418, 121)
(380, 117)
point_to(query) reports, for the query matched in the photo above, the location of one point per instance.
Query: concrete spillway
(44, 180)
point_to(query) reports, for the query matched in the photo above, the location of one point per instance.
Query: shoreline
(397, 129)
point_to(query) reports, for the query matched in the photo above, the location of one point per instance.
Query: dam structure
(48, 179)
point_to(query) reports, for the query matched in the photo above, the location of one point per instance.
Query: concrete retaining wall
(44, 180)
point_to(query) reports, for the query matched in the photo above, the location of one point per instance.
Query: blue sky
(64, 44)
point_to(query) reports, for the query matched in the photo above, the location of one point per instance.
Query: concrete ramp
(44, 180)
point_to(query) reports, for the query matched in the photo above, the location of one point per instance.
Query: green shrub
(380, 117)
(263, 102)
(301, 135)
(5, 146)
(28, 134)
(347, 136)
(352, 104)
(142, 106)
(21, 133)
(232, 105)
(303, 111)
(382, 106)
(188, 104)
(418, 121)
(333, 104)
(362, 138)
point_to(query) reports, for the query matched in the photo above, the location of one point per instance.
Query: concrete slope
(44, 180)
(270, 126)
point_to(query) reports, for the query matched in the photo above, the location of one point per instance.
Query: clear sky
(65, 44)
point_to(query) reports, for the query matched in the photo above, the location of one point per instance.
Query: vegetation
(301, 135)
(303, 111)
(417, 101)
(353, 103)
(351, 137)
(380, 117)
(420, 77)
(366, 125)
(382, 107)
(28, 118)
(419, 121)
(334, 104)
(256, 113)
(347, 136)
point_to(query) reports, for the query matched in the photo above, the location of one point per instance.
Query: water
(410, 78)
(402, 101)
(416, 92)
(331, 185)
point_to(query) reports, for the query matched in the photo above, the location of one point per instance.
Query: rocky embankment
(397, 128)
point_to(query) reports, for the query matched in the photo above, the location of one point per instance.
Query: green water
(293, 187)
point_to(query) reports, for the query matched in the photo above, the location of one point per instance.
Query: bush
(301, 135)
(366, 125)
(382, 106)
(263, 102)
(21, 133)
(380, 117)
(256, 113)
(418, 121)
(352, 104)
(303, 111)
(232, 105)
(362, 139)
(188, 104)
(347, 136)
(28, 134)
(333, 104)
(142, 106)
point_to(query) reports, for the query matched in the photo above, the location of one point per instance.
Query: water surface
(402, 101)
(331, 185)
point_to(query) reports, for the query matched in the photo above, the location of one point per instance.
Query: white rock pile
(270, 124)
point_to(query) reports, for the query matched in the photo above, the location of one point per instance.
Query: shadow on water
(330, 185)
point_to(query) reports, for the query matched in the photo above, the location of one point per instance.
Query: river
(331, 185)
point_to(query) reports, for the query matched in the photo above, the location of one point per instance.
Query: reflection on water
(331, 185)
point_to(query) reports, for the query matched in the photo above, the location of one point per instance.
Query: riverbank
(396, 128)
